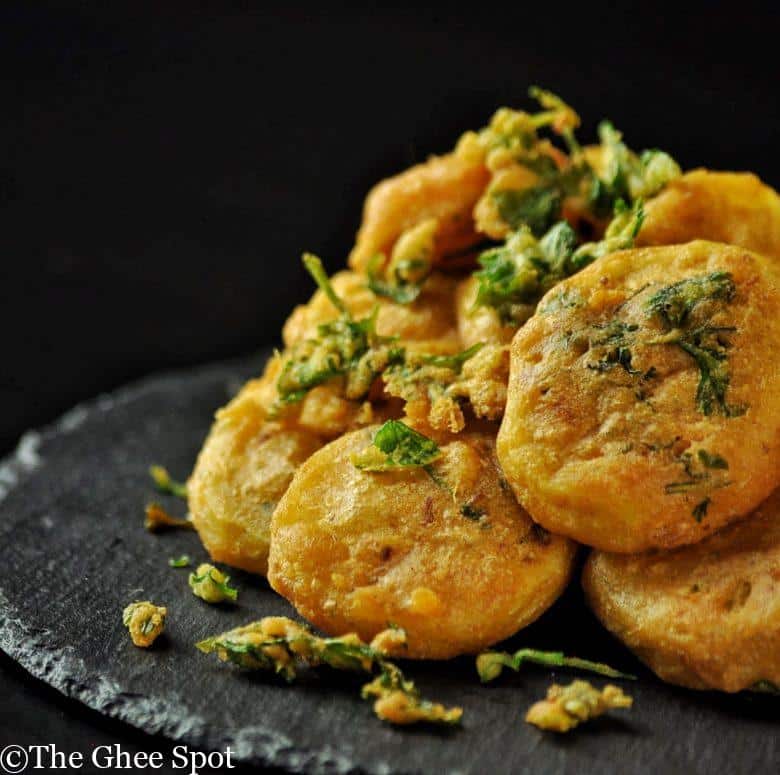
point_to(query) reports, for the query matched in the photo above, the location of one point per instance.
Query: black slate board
(73, 553)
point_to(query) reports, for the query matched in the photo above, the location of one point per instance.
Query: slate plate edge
(257, 744)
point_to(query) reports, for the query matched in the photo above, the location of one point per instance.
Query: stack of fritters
(536, 343)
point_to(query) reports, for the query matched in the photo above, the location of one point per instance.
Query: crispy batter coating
(444, 187)
(145, 621)
(480, 324)
(704, 616)
(732, 207)
(445, 553)
(427, 324)
(643, 397)
(566, 707)
(243, 468)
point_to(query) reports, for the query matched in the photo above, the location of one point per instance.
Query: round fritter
(704, 616)
(732, 207)
(448, 555)
(644, 397)
(444, 187)
(427, 324)
(243, 469)
(251, 454)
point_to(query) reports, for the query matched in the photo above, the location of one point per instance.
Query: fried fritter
(480, 323)
(427, 324)
(243, 469)
(444, 187)
(704, 616)
(732, 207)
(643, 407)
(445, 552)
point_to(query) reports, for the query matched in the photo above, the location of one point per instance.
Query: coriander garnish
(620, 175)
(396, 446)
(211, 584)
(515, 276)
(410, 264)
(283, 646)
(165, 484)
(183, 561)
(491, 663)
(145, 621)
(344, 347)
(708, 345)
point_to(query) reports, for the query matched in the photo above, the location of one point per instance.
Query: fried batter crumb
(145, 621)
(211, 584)
(283, 646)
(565, 707)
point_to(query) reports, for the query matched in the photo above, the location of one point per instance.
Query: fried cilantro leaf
(409, 266)
(518, 273)
(210, 584)
(620, 235)
(342, 348)
(396, 445)
(165, 484)
(536, 208)
(626, 175)
(283, 646)
(674, 303)
(596, 181)
(145, 622)
(490, 664)
(708, 345)
(515, 276)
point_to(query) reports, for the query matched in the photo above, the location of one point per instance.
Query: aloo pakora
(643, 408)
(704, 616)
(439, 548)
(732, 207)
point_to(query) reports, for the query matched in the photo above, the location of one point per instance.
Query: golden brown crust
(479, 324)
(731, 207)
(613, 448)
(242, 470)
(354, 551)
(427, 324)
(704, 616)
(444, 187)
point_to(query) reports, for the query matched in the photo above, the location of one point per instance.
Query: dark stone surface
(74, 552)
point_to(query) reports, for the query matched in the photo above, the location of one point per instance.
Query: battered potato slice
(704, 616)
(445, 552)
(732, 207)
(250, 457)
(427, 324)
(643, 406)
(243, 469)
(444, 187)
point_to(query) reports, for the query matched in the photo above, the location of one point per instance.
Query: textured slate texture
(73, 552)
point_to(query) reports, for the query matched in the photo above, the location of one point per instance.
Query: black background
(162, 168)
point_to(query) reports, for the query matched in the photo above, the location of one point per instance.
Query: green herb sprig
(515, 276)
(343, 347)
(490, 664)
(707, 345)
(396, 446)
(285, 647)
(165, 484)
